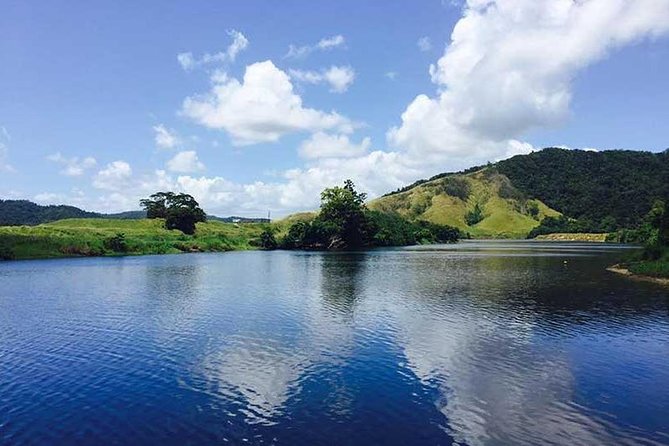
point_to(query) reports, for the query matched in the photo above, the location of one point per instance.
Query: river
(479, 343)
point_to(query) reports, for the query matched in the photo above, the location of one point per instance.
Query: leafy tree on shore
(180, 211)
(345, 222)
(267, 240)
(344, 209)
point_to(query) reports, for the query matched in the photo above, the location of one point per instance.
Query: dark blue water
(479, 343)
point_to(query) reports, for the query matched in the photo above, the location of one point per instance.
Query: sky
(258, 105)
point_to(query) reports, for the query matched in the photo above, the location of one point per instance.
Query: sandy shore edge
(619, 269)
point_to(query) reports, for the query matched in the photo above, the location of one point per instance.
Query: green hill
(94, 237)
(453, 199)
(594, 191)
(611, 189)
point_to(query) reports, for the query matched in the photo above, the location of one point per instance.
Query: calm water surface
(478, 343)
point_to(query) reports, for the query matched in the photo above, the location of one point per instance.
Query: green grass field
(89, 237)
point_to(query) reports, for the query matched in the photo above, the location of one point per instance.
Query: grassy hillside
(91, 237)
(506, 212)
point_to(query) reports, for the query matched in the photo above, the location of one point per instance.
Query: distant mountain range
(605, 191)
(24, 212)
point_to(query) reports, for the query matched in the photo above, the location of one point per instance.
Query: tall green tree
(344, 209)
(180, 211)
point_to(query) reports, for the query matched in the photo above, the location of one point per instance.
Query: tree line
(344, 222)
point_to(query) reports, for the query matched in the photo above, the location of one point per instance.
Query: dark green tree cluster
(116, 243)
(344, 222)
(604, 191)
(474, 216)
(24, 212)
(268, 240)
(653, 233)
(180, 211)
(457, 186)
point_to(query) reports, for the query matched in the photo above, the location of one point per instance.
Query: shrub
(267, 240)
(474, 216)
(116, 243)
(457, 186)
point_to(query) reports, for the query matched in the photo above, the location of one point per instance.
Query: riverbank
(573, 237)
(108, 237)
(625, 271)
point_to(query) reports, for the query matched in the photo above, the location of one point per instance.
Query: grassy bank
(94, 237)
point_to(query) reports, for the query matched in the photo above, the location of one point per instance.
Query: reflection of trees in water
(341, 280)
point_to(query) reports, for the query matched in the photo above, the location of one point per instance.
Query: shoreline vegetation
(111, 237)
(175, 223)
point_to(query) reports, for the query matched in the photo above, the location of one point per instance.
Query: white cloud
(165, 138)
(392, 75)
(494, 83)
(331, 42)
(185, 162)
(4, 150)
(424, 44)
(325, 44)
(75, 197)
(509, 68)
(113, 177)
(261, 108)
(293, 190)
(323, 145)
(74, 166)
(239, 43)
(339, 78)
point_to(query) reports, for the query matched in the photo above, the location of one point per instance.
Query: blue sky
(86, 90)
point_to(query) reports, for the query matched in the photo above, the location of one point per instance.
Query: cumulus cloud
(75, 197)
(325, 44)
(185, 162)
(74, 166)
(239, 44)
(339, 78)
(113, 177)
(4, 149)
(165, 138)
(509, 68)
(323, 145)
(424, 44)
(392, 75)
(261, 108)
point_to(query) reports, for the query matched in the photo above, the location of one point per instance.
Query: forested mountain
(24, 212)
(613, 188)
